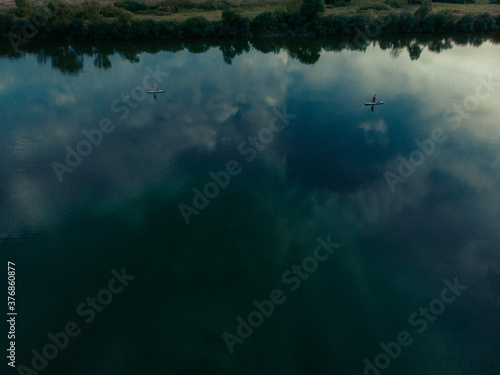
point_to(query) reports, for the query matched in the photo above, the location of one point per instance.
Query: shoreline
(69, 56)
(57, 20)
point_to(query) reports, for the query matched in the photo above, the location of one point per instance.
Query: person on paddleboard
(154, 87)
(374, 98)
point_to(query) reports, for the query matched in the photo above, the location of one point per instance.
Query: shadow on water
(68, 58)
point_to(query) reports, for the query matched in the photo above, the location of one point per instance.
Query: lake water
(255, 217)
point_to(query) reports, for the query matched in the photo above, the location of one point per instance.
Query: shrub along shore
(127, 20)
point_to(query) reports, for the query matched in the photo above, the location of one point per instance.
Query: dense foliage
(55, 19)
(338, 3)
(456, 1)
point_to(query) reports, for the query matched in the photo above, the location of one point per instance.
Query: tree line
(55, 19)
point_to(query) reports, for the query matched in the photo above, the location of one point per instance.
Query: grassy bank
(128, 19)
(180, 10)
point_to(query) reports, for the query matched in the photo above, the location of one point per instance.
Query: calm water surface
(333, 168)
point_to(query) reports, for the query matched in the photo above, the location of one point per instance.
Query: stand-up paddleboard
(155, 91)
(373, 103)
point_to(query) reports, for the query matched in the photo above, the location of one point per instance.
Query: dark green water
(322, 172)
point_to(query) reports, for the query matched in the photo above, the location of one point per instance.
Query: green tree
(59, 17)
(167, 29)
(484, 22)
(196, 27)
(99, 30)
(146, 29)
(263, 24)
(296, 21)
(423, 10)
(91, 10)
(310, 9)
(122, 26)
(24, 8)
(465, 24)
(234, 25)
(5, 24)
(59, 12)
(405, 23)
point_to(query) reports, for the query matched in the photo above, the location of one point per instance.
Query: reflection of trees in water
(68, 61)
(440, 44)
(268, 45)
(69, 58)
(306, 53)
(395, 52)
(41, 57)
(198, 47)
(231, 50)
(101, 59)
(132, 55)
(414, 50)
(64, 58)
